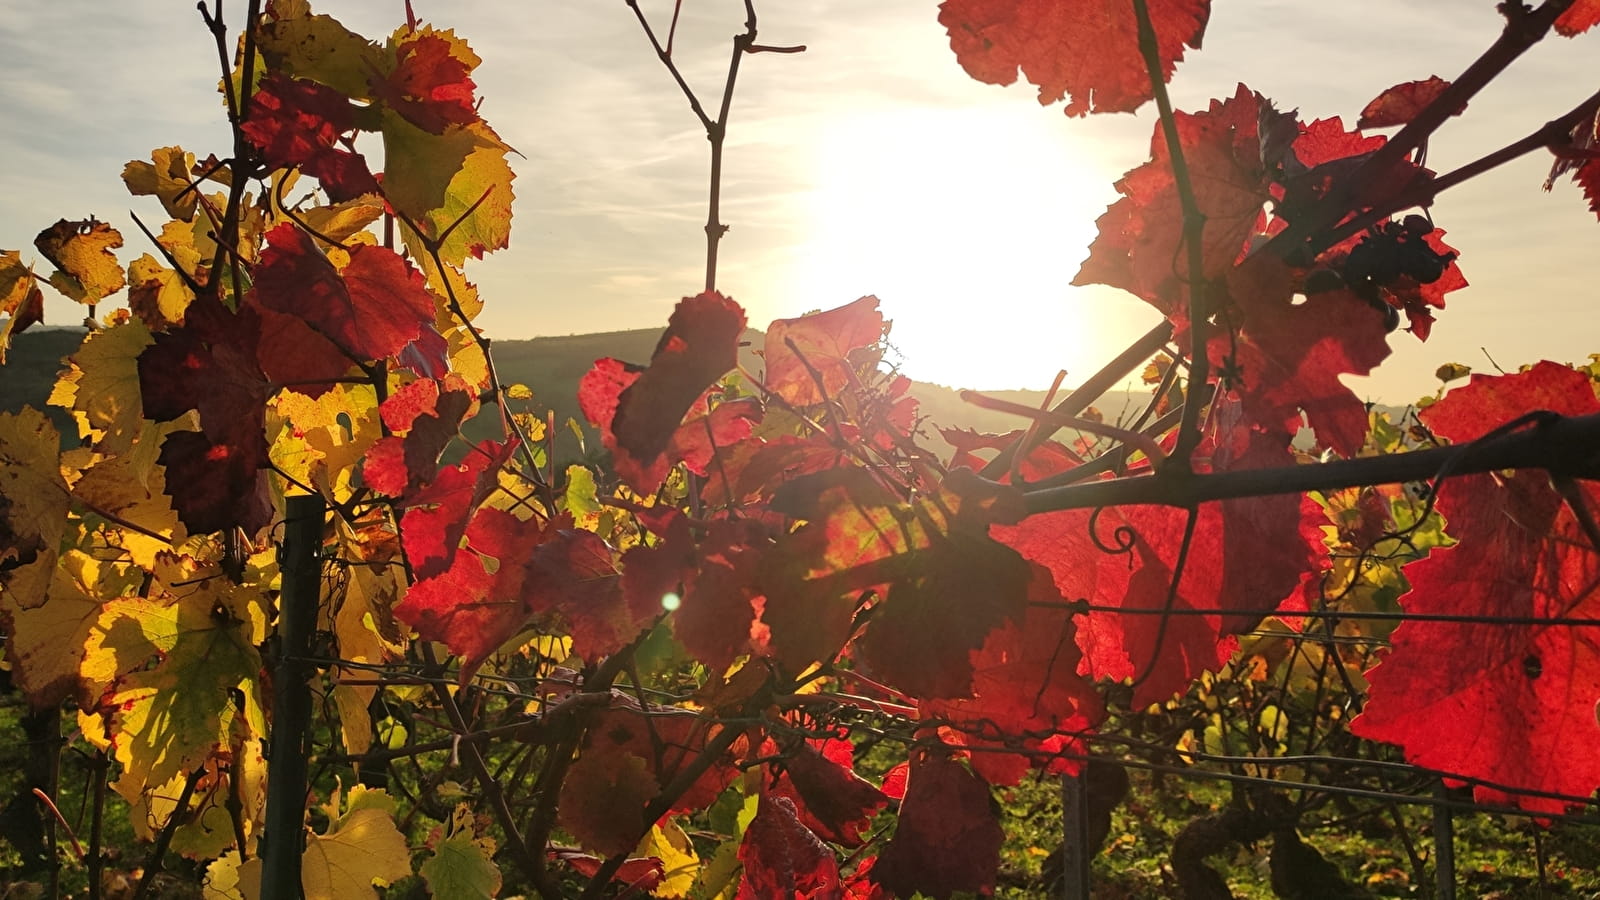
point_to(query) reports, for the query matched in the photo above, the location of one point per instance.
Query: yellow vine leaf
(86, 269)
(157, 294)
(102, 387)
(434, 179)
(361, 850)
(33, 511)
(21, 301)
(328, 436)
(47, 646)
(342, 221)
(170, 718)
(670, 845)
(228, 879)
(166, 177)
(359, 620)
(462, 865)
(318, 47)
(139, 513)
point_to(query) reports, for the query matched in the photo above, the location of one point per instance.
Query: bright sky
(868, 164)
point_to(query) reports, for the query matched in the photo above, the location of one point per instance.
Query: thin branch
(1562, 445)
(1141, 442)
(1088, 392)
(1523, 29)
(1549, 136)
(1194, 223)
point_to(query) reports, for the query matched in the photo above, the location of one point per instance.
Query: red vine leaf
(372, 309)
(430, 85)
(423, 417)
(210, 365)
(782, 858)
(477, 603)
(1026, 682)
(948, 838)
(603, 799)
(1139, 248)
(1401, 103)
(822, 343)
(433, 525)
(1513, 704)
(576, 576)
(1579, 17)
(1088, 49)
(1291, 355)
(300, 123)
(715, 619)
(1246, 556)
(829, 798)
(944, 583)
(639, 411)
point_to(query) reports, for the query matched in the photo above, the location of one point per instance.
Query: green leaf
(461, 867)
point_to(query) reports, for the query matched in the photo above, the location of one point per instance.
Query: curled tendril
(1123, 536)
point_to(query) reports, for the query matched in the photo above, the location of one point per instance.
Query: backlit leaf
(1088, 49)
(86, 269)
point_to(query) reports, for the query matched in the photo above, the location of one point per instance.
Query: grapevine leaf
(438, 181)
(462, 864)
(700, 345)
(423, 417)
(829, 798)
(363, 849)
(1026, 682)
(371, 310)
(33, 521)
(297, 123)
(1580, 17)
(168, 719)
(639, 873)
(1142, 234)
(639, 412)
(317, 47)
(1087, 49)
(210, 365)
(945, 584)
(948, 838)
(114, 487)
(47, 647)
(1125, 559)
(680, 865)
(438, 514)
(430, 84)
(782, 858)
(102, 386)
(622, 729)
(20, 299)
(603, 799)
(1401, 103)
(715, 618)
(1292, 355)
(476, 604)
(86, 269)
(823, 343)
(156, 293)
(1588, 176)
(575, 575)
(1509, 703)
(167, 177)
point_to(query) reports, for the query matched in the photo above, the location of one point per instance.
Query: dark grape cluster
(1386, 254)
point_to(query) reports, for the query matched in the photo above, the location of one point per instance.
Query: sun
(968, 223)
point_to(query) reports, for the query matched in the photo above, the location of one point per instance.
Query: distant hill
(550, 367)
